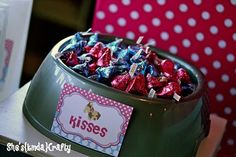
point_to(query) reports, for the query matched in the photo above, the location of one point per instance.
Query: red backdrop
(202, 32)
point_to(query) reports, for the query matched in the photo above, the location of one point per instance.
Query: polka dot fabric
(202, 32)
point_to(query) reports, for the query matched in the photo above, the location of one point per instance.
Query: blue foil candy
(82, 69)
(121, 68)
(187, 89)
(114, 45)
(108, 72)
(105, 72)
(123, 54)
(133, 49)
(73, 41)
(122, 57)
(141, 68)
(177, 66)
(85, 58)
(93, 40)
(80, 46)
(78, 37)
(152, 70)
(95, 77)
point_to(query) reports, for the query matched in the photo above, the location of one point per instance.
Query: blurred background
(51, 21)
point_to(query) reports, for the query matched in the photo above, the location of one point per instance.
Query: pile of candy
(133, 68)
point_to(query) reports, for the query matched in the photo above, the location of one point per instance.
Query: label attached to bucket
(91, 120)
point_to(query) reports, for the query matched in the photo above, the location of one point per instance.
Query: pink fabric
(202, 32)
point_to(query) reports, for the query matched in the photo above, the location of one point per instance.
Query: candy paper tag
(147, 50)
(152, 93)
(176, 97)
(136, 56)
(87, 32)
(139, 40)
(132, 70)
(91, 120)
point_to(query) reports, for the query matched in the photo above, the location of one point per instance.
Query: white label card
(91, 120)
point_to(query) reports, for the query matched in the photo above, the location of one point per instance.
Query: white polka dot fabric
(201, 32)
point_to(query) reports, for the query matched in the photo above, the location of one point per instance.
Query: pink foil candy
(105, 59)
(153, 82)
(72, 59)
(153, 58)
(137, 85)
(182, 75)
(96, 51)
(87, 48)
(92, 67)
(167, 67)
(170, 89)
(121, 81)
